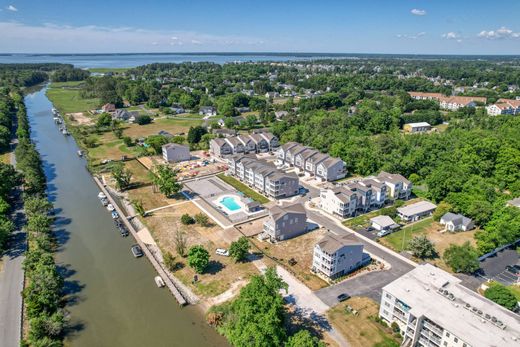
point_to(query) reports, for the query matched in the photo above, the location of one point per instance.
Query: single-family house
(280, 114)
(419, 127)
(285, 222)
(416, 211)
(207, 111)
(124, 115)
(456, 222)
(108, 108)
(382, 223)
(272, 95)
(173, 152)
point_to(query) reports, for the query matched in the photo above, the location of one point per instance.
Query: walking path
(163, 207)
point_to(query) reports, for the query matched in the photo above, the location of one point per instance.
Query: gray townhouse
(248, 143)
(236, 145)
(335, 256)
(261, 144)
(263, 177)
(244, 143)
(331, 169)
(220, 147)
(174, 153)
(285, 222)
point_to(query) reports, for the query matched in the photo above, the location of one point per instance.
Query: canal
(114, 300)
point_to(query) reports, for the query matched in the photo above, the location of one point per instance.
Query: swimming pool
(230, 203)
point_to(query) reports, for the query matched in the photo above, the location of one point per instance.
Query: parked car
(222, 251)
(137, 251)
(514, 269)
(343, 297)
(384, 233)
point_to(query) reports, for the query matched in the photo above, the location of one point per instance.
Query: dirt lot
(252, 228)
(301, 249)
(151, 199)
(80, 118)
(222, 271)
(361, 329)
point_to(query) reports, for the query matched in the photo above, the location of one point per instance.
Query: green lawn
(395, 240)
(109, 69)
(243, 188)
(69, 100)
(66, 84)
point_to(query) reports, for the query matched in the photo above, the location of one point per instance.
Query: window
(447, 334)
(388, 296)
(387, 304)
(445, 343)
(385, 312)
(456, 339)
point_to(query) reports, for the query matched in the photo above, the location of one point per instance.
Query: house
(177, 109)
(124, 115)
(398, 186)
(220, 147)
(455, 222)
(331, 169)
(382, 223)
(419, 127)
(243, 143)
(208, 111)
(242, 109)
(514, 202)
(174, 153)
(414, 212)
(285, 222)
(338, 201)
(504, 106)
(433, 308)
(272, 95)
(249, 144)
(261, 143)
(280, 114)
(108, 108)
(335, 256)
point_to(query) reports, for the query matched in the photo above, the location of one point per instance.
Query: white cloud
(417, 12)
(411, 36)
(52, 38)
(452, 36)
(502, 33)
(12, 8)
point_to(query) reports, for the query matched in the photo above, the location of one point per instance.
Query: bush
(421, 247)
(143, 119)
(186, 219)
(502, 296)
(395, 327)
(239, 249)
(202, 219)
(462, 258)
(169, 261)
(198, 258)
(127, 140)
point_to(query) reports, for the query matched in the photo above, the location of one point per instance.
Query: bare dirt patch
(80, 118)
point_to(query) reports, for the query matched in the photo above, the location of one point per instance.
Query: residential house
(173, 152)
(124, 115)
(272, 95)
(285, 222)
(338, 201)
(280, 114)
(456, 222)
(220, 147)
(419, 127)
(245, 143)
(331, 169)
(383, 223)
(432, 308)
(208, 111)
(504, 106)
(398, 186)
(335, 256)
(242, 109)
(108, 108)
(416, 211)
(224, 132)
(238, 120)
(261, 143)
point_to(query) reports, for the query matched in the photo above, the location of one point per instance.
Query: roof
(512, 102)
(343, 194)
(392, 178)
(220, 142)
(418, 207)
(419, 124)
(288, 145)
(276, 212)
(384, 221)
(456, 219)
(331, 161)
(175, 146)
(331, 243)
(419, 289)
(430, 95)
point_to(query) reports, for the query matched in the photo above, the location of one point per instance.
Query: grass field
(243, 188)
(173, 126)
(66, 84)
(395, 240)
(361, 329)
(69, 101)
(109, 69)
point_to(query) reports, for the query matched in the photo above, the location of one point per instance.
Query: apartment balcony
(431, 337)
(432, 328)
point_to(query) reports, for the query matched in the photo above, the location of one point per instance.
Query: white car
(384, 232)
(222, 251)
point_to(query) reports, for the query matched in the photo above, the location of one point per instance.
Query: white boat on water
(54, 111)
(80, 153)
(159, 281)
(101, 195)
(65, 132)
(110, 207)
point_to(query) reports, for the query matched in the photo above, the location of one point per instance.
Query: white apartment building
(504, 106)
(433, 309)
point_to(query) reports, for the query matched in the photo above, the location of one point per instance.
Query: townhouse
(262, 177)
(335, 256)
(311, 162)
(285, 222)
(452, 103)
(504, 106)
(433, 308)
(174, 153)
(243, 143)
(398, 186)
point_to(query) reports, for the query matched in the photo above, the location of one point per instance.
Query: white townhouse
(398, 186)
(504, 106)
(338, 201)
(244, 143)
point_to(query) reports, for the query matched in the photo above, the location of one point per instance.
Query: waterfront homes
(452, 103)
(419, 127)
(311, 162)
(414, 212)
(207, 111)
(335, 256)
(285, 222)
(244, 143)
(504, 106)
(124, 115)
(455, 222)
(174, 153)
(433, 308)
(263, 177)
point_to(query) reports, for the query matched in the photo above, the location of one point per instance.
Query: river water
(115, 301)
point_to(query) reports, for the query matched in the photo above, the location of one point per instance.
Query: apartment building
(433, 309)
(311, 162)
(285, 222)
(452, 103)
(244, 143)
(173, 152)
(263, 177)
(335, 256)
(338, 201)
(504, 106)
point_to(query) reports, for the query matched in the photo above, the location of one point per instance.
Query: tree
(239, 249)
(118, 132)
(104, 120)
(127, 140)
(169, 261)
(502, 296)
(35, 205)
(156, 142)
(143, 119)
(202, 219)
(6, 228)
(195, 134)
(463, 258)
(180, 243)
(441, 210)
(10, 178)
(198, 258)
(165, 178)
(229, 122)
(251, 121)
(421, 247)
(303, 338)
(186, 219)
(121, 175)
(138, 205)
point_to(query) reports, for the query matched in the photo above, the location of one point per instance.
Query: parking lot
(494, 267)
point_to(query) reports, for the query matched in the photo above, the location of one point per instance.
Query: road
(11, 280)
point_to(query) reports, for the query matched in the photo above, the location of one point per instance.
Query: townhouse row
(362, 196)
(504, 106)
(262, 177)
(243, 144)
(311, 162)
(452, 103)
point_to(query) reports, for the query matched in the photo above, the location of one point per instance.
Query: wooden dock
(160, 270)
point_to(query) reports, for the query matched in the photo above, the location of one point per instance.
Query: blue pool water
(230, 203)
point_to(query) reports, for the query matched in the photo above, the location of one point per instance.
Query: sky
(326, 26)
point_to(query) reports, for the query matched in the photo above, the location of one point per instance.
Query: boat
(104, 202)
(137, 251)
(65, 132)
(159, 281)
(101, 195)
(115, 215)
(54, 111)
(110, 207)
(80, 153)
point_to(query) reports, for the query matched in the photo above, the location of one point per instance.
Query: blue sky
(344, 26)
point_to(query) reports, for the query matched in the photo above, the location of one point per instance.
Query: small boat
(80, 153)
(137, 251)
(104, 202)
(115, 215)
(101, 195)
(110, 207)
(159, 281)
(65, 132)
(54, 111)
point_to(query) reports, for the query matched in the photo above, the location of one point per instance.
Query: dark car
(137, 251)
(514, 269)
(343, 297)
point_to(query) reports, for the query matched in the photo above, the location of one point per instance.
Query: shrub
(198, 258)
(186, 219)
